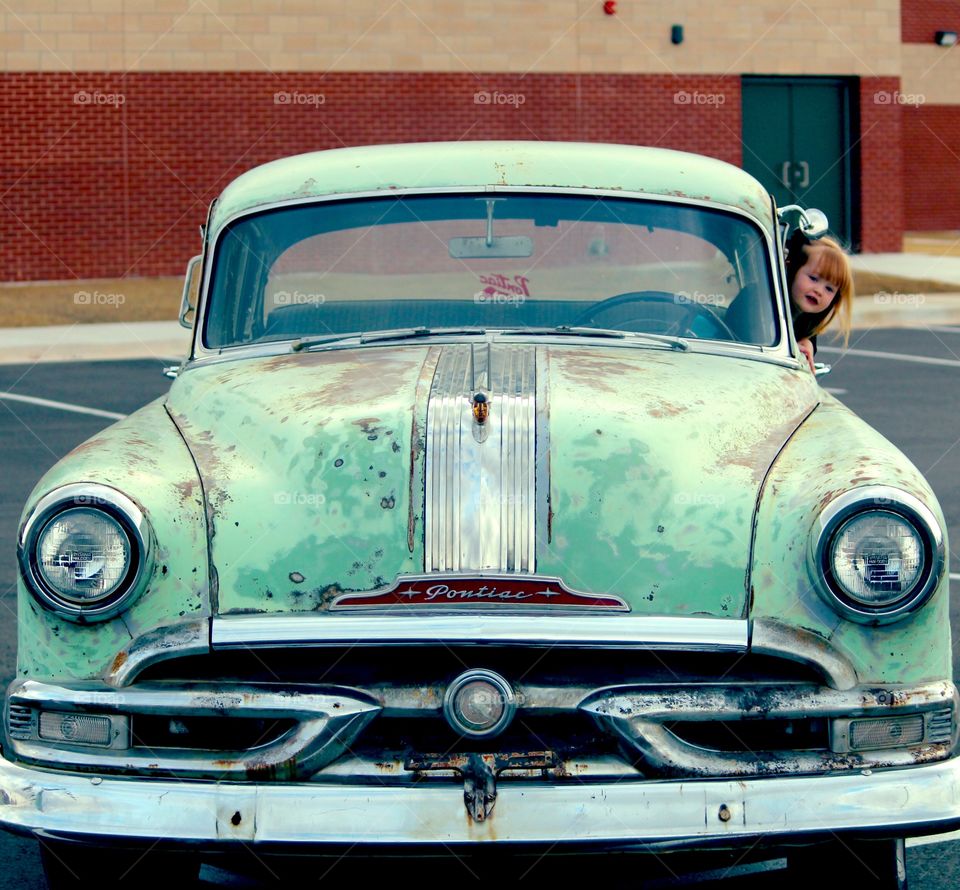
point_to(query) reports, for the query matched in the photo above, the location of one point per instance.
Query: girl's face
(811, 292)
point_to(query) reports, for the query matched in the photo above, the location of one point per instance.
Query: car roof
(497, 165)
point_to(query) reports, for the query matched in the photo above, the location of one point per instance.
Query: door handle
(785, 173)
(805, 175)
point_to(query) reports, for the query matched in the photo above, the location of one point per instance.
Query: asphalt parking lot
(901, 381)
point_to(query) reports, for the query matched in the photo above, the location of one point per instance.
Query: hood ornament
(481, 408)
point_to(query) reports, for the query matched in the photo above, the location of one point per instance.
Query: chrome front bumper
(898, 802)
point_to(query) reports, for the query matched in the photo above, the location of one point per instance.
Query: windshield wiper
(416, 333)
(380, 336)
(307, 342)
(563, 330)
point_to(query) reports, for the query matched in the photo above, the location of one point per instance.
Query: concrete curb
(160, 340)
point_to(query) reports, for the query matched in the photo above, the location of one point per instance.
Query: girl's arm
(806, 347)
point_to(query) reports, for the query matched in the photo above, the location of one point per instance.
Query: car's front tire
(72, 865)
(855, 863)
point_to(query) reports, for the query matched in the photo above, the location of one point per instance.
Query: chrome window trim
(88, 495)
(873, 498)
(511, 628)
(780, 347)
(746, 351)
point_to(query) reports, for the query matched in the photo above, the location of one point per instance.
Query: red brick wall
(921, 19)
(931, 166)
(880, 155)
(110, 175)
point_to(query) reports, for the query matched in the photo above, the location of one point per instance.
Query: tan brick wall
(931, 74)
(459, 36)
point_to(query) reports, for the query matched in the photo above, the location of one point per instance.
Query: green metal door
(796, 141)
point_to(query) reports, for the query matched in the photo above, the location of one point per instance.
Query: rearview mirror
(501, 246)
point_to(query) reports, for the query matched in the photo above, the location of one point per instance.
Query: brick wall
(881, 162)
(111, 174)
(921, 19)
(931, 167)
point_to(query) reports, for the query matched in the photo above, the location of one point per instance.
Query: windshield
(490, 261)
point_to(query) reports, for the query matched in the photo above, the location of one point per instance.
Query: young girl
(821, 289)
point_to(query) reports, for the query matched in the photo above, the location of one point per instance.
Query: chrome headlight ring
(89, 499)
(901, 507)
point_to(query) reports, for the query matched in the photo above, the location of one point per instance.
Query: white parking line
(60, 406)
(895, 356)
(942, 329)
(933, 839)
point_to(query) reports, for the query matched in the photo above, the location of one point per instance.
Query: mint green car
(493, 509)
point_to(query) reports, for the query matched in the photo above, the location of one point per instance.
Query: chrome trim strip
(636, 715)
(544, 506)
(509, 628)
(325, 723)
(771, 637)
(901, 802)
(480, 479)
(159, 644)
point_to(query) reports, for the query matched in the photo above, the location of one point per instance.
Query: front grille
(427, 666)
(940, 726)
(747, 736)
(21, 721)
(567, 735)
(205, 733)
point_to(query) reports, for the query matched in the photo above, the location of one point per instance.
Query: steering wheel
(688, 311)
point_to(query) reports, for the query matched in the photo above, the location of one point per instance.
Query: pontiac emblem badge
(492, 592)
(481, 408)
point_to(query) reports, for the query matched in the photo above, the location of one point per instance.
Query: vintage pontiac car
(493, 510)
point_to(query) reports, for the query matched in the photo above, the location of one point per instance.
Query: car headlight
(85, 551)
(878, 553)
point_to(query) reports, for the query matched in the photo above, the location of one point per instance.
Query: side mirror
(813, 223)
(191, 288)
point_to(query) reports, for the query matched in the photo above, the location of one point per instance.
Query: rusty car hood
(321, 470)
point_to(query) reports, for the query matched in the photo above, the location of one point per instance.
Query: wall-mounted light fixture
(945, 38)
(676, 34)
